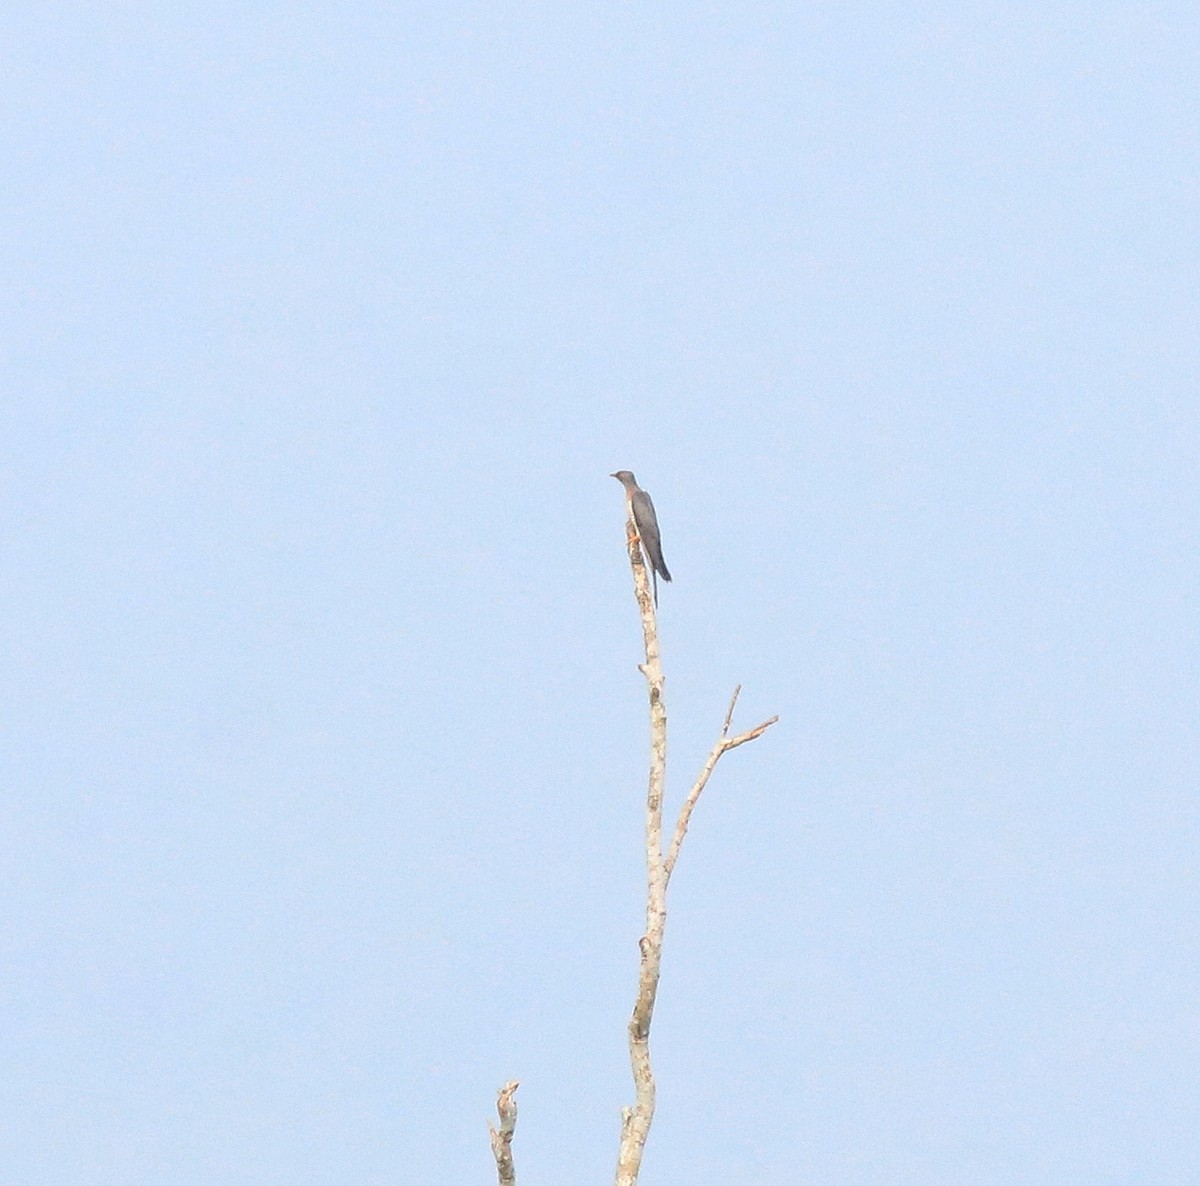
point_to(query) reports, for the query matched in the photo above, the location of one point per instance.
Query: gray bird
(646, 522)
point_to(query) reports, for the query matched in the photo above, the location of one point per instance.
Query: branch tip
(729, 715)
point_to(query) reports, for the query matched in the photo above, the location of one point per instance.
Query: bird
(646, 522)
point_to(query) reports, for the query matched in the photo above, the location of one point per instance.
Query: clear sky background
(324, 742)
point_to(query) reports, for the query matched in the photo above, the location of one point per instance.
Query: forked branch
(723, 745)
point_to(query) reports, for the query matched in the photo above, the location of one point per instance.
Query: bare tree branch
(636, 1121)
(723, 745)
(506, 1108)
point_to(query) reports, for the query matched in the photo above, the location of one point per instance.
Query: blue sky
(324, 742)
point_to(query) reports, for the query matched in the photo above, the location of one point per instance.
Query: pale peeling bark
(636, 1120)
(506, 1108)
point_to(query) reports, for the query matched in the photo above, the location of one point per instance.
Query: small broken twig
(506, 1107)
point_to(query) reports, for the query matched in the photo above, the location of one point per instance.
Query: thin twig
(729, 712)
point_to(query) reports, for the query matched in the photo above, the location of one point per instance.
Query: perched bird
(646, 522)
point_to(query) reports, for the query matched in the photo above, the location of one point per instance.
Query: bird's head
(625, 478)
